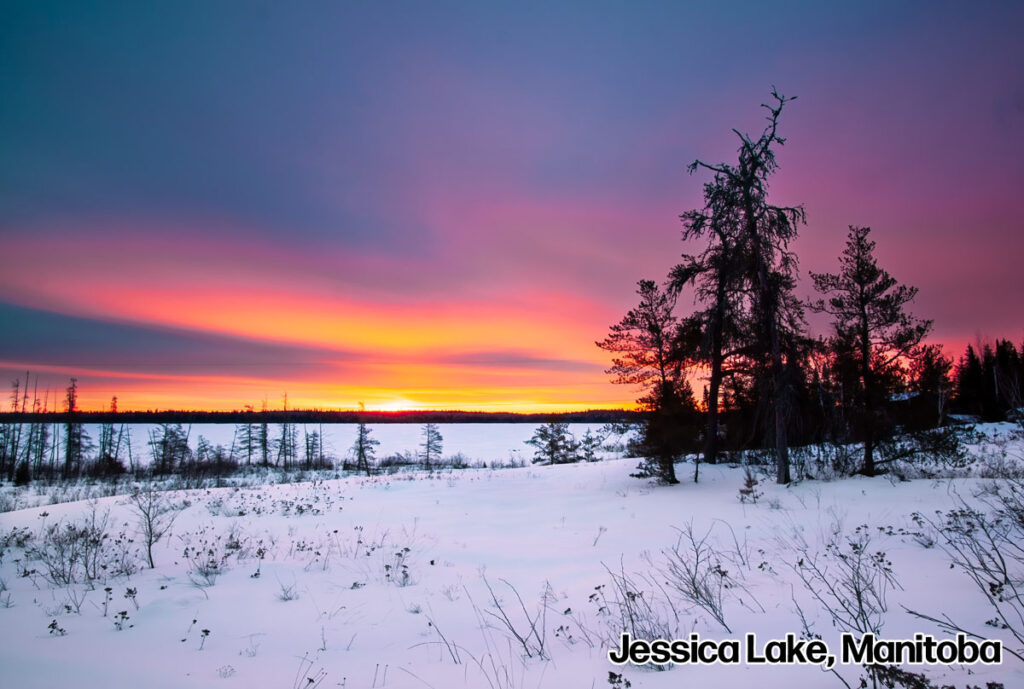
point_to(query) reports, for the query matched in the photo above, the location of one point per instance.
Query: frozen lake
(485, 442)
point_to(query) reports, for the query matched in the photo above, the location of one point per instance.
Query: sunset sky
(443, 205)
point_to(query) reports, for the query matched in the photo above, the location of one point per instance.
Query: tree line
(770, 384)
(16, 413)
(54, 447)
(43, 436)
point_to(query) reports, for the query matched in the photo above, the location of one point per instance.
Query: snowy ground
(383, 582)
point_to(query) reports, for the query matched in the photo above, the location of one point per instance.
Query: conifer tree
(363, 448)
(645, 345)
(72, 431)
(870, 319)
(931, 379)
(553, 444)
(970, 383)
(431, 445)
(760, 233)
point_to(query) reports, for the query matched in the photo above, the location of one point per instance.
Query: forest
(771, 384)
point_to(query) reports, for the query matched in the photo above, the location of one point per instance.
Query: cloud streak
(465, 195)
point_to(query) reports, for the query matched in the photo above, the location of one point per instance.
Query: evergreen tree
(288, 441)
(991, 410)
(738, 195)
(363, 448)
(970, 383)
(431, 445)
(669, 433)
(169, 445)
(645, 345)
(932, 380)
(314, 456)
(870, 320)
(73, 440)
(108, 462)
(553, 444)
(1007, 377)
(589, 444)
(263, 437)
(716, 274)
(246, 437)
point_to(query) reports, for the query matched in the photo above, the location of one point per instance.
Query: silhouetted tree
(169, 445)
(1007, 377)
(108, 462)
(870, 319)
(970, 383)
(431, 444)
(644, 343)
(931, 380)
(712, 334)
(363, 449)
(263, 437)
(287, 442)
(669, 433)
(246, 437)
(314, 443)
(72, 431)
(739, 192)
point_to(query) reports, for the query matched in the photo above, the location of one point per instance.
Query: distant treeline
(320, 416)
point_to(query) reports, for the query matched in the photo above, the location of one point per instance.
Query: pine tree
(72, 431)
(645, 345)
(932, 380)
(970, 383)
(717, 273)
(263, 437)
(738, 195)
(169, 445)
(246, 437)
(669, 433)
(314, 456)
(363, 448)
(870, 320)
(288, 440)
(553, 444)
(589, 444)
(431, 445)
(108, 462)
(1008, 377)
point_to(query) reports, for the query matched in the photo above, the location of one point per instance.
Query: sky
(443, 205)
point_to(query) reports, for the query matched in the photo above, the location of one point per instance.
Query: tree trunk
(868, 469)
(714, 384)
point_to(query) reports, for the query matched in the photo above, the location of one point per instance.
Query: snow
(354, 619)
(477, 442)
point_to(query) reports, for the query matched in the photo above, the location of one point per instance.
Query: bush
(988, 546)
(82, 551)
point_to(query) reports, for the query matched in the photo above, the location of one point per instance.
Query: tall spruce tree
(931, 380)
(363, 449)
(870, 319)
(431, 445)
(970, 383)
(761, 233)
(712, 333)
(73, 440)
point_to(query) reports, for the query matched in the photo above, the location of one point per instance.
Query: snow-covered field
(474, 578)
